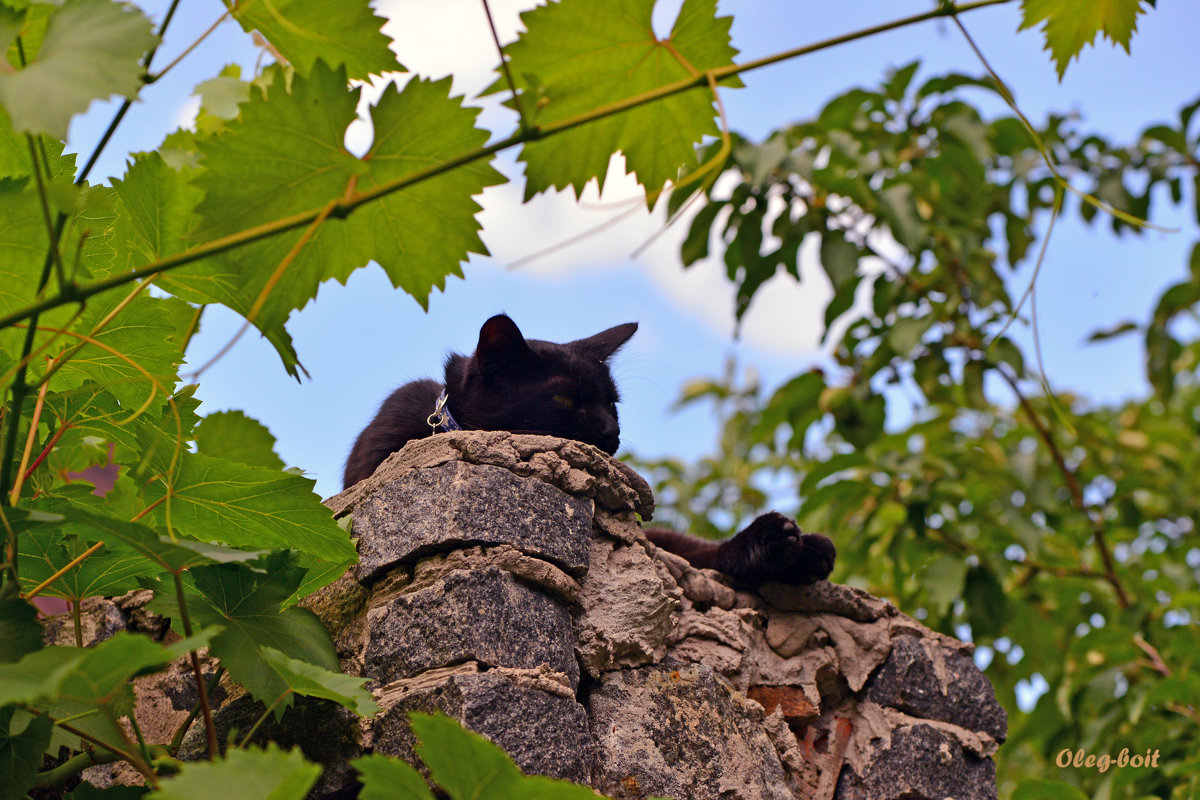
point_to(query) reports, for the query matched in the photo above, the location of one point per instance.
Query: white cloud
(553, 234)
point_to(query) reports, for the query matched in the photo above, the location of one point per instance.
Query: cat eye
(564, 401)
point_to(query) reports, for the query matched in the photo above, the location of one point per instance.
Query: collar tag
(441, 420)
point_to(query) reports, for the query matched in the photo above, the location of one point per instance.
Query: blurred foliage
(1057, 534)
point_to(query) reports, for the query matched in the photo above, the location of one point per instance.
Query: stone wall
(505, 580)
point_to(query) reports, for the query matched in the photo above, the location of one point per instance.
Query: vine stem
(343, 208)
(1073, 488)
(22, 471)
(133, 758)
(126, 103)
(79, 559)
(201, 687)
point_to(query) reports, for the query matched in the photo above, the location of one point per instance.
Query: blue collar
(441, 420)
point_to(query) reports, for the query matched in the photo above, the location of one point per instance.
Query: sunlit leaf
(306, 678)
(303, 31)
(572, 60)
(1071, 24)
(236, 437)
(91, 50)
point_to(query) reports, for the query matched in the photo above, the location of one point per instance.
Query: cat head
(529, 386)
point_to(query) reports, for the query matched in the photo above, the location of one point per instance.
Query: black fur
(509, 384)
(529, 386)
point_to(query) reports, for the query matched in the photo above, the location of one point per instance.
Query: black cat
(566, 390)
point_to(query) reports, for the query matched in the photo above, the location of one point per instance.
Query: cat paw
(772, 548)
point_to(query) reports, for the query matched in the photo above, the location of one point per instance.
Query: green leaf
(285, 155)
(21, 748)
(468, 766)
(385, 778)
(135, 355)
(302, 677)
(156, 209)
(247, 604)
(899, 211)
(987, 604)
(572, 60)
(98, 675)
(212, 499)
(233, 436)
(23, 246)
(1071, 24)
(303, 31)
(107, 572)
(86, 791)
(171, 555)
(420, 234)
(244, 774)
(1113, 331)
(91, 51)
(20, 632)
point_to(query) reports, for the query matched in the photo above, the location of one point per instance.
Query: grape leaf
(305, 678)
(421, 233)
(1071, 24)
(170, 555)
(247, 604)
(574, 58)
(234, 436)
(91, 51)
(156, 205)
(23, 244)
(286, 155)
(303, 31)
(134, 355)
(107, 572)
(385, 778)
(244, 774)
(21, 748)
(466, 765)
(20, 632)
(217, 500)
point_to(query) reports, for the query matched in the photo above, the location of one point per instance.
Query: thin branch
(512, 85)
(208, 32)
(30, 438)
(1073, 488)
(127, 103)
(201, 687)
(53, 230)
(181, 731)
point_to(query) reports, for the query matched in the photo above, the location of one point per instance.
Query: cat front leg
(772, 548)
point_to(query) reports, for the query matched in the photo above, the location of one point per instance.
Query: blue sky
(360, 341)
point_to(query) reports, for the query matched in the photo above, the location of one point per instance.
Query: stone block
(545, 733)
(679, 731)
(457, 505)
(485, 615)
(922, 763)
(925, 680)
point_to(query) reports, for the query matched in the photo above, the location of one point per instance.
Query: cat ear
(604, 344)
(501, 345)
